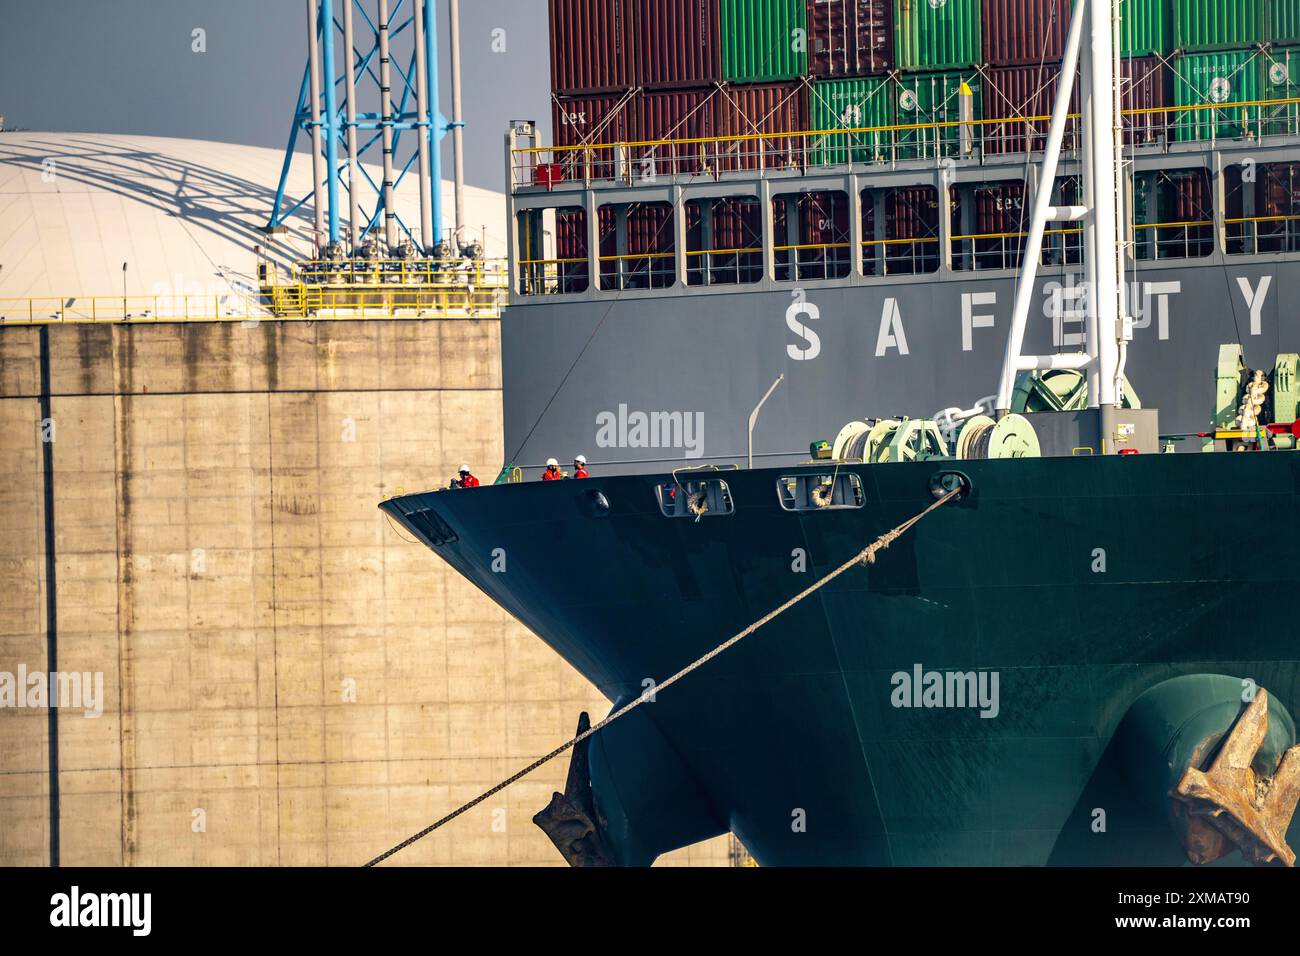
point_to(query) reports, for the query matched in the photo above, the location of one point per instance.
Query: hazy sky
(126, 66)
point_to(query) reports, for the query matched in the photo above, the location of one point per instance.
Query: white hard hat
(464, 469)
(552, 463)
(581, 459)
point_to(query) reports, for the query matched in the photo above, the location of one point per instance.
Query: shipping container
(812, 235)
(1206, 88)
(762, 114)
(850, 37)
(1146, 28)
(1282, 21)
(572, 271)
(724, 241)
(921, 98)
(937, 36)
(1021, 32)
(1281, 81)
(682, 125)
(1146, 100)
(1180, 223)
(764, 40)
(911, 231)
(674, 43)
(850, 104)
(589, 121)
(1201, 25)
(643, 257)
(589, 40)
(1020, 99)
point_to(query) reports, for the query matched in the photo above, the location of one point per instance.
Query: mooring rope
(864, 557)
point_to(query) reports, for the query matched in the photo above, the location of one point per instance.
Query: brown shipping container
(675, 116)
(850, 37)
(1188, 197)
(764, 110)
(737, 224)
(589, 121)
(1024, 32)
(1280, 188)
(912, 212)
(1146, 87)
(649, 229)
(1000, 209)
(1012, 95)
(674, 43)
(589, 40)
(571, 234)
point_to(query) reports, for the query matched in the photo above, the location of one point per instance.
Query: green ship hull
(1059, 591)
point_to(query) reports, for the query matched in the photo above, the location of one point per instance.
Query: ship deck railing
(977, 252)
(646, 162)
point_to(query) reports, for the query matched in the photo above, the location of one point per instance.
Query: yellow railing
(711, 155)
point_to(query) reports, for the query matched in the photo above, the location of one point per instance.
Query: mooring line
(866, 556)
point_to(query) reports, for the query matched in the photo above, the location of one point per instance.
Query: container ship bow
(1072, 644)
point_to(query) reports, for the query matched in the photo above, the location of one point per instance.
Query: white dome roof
(184, 215)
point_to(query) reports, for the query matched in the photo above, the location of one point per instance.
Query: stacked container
(763, 112)
(1024, 32)
(849, 104)
(682, 116)
(1201, 25)
(1220, 79)
(1282, 19)
(921, 98)
(764, 40)
(1281, 81)
(1147, 28)
(937, 36)
(673, 43)
(850, 37)
(589, 40)
(1021, 99)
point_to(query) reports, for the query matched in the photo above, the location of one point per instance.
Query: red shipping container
(670, 120)
(1015, 94)
(912, 212)
(1024, 32)
(763, 112)
(589, 40)
(1000, 209)
(737, 224)
(1146, 87)
(674, 43)
(850, 37)
(1187, 197)
(597, 120)
(1280, 190)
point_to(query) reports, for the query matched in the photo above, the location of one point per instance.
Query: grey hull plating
(710, 354)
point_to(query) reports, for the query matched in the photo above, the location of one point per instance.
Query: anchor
(1231, 807)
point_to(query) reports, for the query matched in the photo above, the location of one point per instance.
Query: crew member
(467, 480)
(580, 467)
(552, 472)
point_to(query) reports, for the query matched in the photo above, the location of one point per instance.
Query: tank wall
(286, 680)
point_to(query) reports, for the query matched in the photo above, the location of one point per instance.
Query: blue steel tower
(342, 134)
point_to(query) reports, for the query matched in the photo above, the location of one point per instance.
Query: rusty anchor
(1231, 807)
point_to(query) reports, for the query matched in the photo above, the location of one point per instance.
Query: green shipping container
(764, 40)
(850, 104)
(1281, 68)
(938, 34)
(1283, 18)
(921, 98)
(1217, 80)
(1146, 28)
(1217, 24)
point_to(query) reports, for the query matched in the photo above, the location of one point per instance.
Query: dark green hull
(799, 725)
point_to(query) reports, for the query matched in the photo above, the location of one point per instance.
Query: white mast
(1094, 21)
